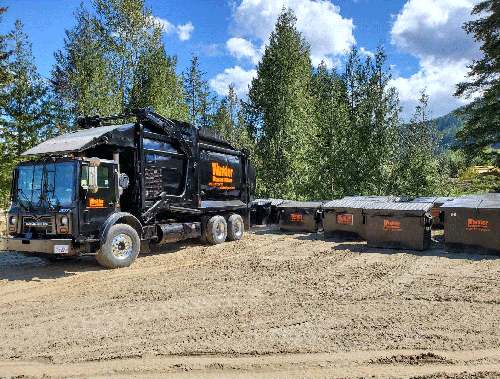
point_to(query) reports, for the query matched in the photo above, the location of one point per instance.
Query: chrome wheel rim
(239, 228)
(122, 246)
(219, 230)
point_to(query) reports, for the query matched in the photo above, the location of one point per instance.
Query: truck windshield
(45, 185)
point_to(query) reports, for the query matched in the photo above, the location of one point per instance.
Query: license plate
(61, 249)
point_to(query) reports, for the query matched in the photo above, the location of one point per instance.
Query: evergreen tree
(374, 117)
(199, 99)
(356, 116)
(229, 121)
(416, 168)
(157, 85)
(81, 78)
(332, 154)
(109, 55)
(483, 124)
(27, 114)
(280, 96)
(4, 55)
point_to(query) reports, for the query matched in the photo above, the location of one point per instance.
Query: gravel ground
(270, 305)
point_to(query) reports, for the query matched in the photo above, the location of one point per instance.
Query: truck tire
(216, 230)
(121, 247)
(235, 227)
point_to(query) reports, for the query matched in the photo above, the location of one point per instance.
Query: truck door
(96, 207)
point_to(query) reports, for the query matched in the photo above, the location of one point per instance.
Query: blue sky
(425, 44)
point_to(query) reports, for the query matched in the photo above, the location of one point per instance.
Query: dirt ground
(273, 305)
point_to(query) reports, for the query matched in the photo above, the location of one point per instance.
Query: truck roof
(80, 140)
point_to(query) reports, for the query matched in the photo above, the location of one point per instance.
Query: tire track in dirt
(359, 364)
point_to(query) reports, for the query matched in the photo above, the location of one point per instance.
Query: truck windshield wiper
(30, 204)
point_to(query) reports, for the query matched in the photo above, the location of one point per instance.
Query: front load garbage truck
(112, 188)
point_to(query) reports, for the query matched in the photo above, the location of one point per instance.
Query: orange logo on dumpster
(345, 219)
(392, 226)
(295, 218)
(222, 176)
(477, 225)
(435, 212)
(96, 203)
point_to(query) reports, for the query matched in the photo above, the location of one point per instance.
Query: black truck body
(110, 189)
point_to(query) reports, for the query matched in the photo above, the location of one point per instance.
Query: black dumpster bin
(273, 216)
(398, 225)
(300, 216)
(437, 214)
(260, 211)
(472, 225)
(344, 217)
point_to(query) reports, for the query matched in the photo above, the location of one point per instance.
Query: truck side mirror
(92, 187)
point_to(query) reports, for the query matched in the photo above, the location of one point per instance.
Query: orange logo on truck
(392, 226)
(477, 225)
(295, 218)
(222, 176)
(96, 203)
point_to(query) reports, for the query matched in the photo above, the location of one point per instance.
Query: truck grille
(40, 224)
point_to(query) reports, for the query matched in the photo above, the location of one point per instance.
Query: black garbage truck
(114, 187)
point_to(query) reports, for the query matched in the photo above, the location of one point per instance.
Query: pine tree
(229, 121)
(4, 55)
(280, 96)
(416, 168)
(157, 85)
(27, 113)
(109, 55)
(331, 154)
(483, 113)
(199, 99)
(81, 77)
(356, 116)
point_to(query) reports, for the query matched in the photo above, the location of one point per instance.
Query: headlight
(13, 220)
(64, 220)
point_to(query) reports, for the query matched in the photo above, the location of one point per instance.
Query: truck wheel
(121, 247)
(216, 230)
(235, 227)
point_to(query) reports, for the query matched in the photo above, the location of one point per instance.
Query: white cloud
(438, 78)
(429, 28)
(432, 31)
(241, 48)
(183, 31)
(366, 53)
(237, 76)
(329, 34)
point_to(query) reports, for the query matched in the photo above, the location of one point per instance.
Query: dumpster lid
(414, 209)
(374, 198)
(489, 204)
(84, 139)
(490, 195)
(463, 202)
(425, 199)
(444, 199)
(301, 204)
(347, 203)
(261, 202)
(276, 202)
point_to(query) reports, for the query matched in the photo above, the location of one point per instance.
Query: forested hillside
(448, 126)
